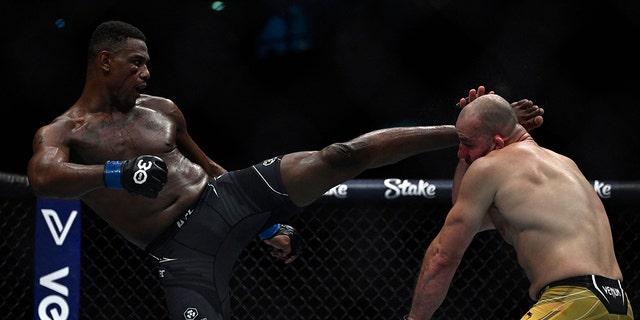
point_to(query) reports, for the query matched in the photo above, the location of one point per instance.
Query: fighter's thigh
(191, 292)
(185, 303)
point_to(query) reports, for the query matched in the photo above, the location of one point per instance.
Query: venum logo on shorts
(614, 292)
(190, 313)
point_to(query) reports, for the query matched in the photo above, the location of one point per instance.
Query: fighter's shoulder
(61, 122)
(57, 132)
(489, 167)
(156, 102)
(502, 163)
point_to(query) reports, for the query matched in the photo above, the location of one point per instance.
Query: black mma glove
(297, 243)
(143, 175)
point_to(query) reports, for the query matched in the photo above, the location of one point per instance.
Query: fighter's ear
(498, 140)
(104, 60)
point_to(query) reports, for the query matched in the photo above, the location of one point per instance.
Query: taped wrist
(112, 173)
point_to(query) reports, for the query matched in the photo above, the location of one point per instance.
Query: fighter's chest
(97, 139)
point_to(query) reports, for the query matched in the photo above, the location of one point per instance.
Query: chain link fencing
(361, 262)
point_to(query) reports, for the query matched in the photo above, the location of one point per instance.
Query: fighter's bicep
(51, 143)
(476, 195)
(457, 233)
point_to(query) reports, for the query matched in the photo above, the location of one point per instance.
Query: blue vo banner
(57, 260)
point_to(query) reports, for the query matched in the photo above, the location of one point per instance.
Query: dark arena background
(260, 78)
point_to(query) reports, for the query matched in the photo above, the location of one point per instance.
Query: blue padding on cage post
(57, 255)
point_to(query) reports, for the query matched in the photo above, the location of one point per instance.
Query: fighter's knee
(341, 154)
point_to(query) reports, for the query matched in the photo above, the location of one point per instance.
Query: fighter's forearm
(432, 285)
(461, 168)
(65, 180)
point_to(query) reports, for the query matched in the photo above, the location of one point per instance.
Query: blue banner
(57, 260)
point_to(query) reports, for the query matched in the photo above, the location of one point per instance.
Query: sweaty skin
(93, 138)
(537, 199)
(112, 121)
(75, 146)
(545, 208)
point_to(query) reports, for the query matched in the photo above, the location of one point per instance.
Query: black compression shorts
(196, 256)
